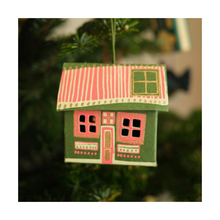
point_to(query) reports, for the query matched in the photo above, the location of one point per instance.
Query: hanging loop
(113, 27)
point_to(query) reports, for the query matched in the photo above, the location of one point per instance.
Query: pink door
(107, 144)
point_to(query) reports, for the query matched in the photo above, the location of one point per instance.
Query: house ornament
(110, 112)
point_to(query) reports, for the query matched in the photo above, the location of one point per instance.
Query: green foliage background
(43, 175)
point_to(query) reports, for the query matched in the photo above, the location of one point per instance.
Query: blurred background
(44, 44)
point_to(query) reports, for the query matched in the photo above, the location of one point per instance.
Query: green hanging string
(113, 27)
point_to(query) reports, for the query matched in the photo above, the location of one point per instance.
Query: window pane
(136, 133)
(139, 76)
(126, 122)
(92, 118)
(136, 123)
(151, 88)
(92, 128)
(151, 76)
(124, 132)
(139, 88)
(82, 128)
(82, 118)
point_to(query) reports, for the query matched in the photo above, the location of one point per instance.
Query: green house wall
(147, 150)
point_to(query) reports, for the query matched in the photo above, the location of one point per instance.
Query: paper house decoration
(111, 112)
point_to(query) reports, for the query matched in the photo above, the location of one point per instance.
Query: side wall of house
(92, 151)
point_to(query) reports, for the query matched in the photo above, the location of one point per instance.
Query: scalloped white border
(67, 105)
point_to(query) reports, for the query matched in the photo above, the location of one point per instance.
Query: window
(108, 118)
(145, 82)
(130, 127)
(87, 124)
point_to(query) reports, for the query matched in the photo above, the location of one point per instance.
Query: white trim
(129, 148)
(81, 160)
(103, 88)
(122, 162)
(113, 101)
(121, 81)
(59, 92)
(74, 82)
(80, 145)
(115, 162)
(71, 83)
(129, 81)
(87, 85)
(67, 75)
(114, 81)
(118, 82)
(111, 79)
(97, 82)
(91, 83)
(125, 76)
(84, 78)
(107, 82)
(79, 84)
(63, 84)
(166, 87)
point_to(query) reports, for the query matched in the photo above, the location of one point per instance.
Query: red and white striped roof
(100, 85)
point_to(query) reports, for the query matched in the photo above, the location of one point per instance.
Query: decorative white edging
(81, 160)
(66, 105)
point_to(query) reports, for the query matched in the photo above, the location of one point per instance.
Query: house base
(115, 162)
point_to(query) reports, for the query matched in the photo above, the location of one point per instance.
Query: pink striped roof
(97, 85)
